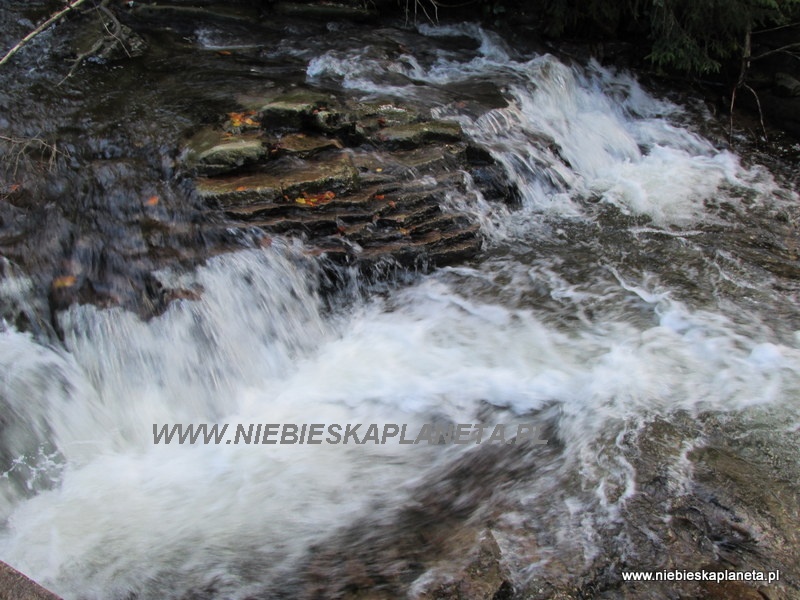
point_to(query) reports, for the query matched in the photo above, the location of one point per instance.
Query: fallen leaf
(404, 231)
(379, 196)
(241, 188)
(239, 119)
(152, 201)
(379, 170)
(224, 52)
(64, 281)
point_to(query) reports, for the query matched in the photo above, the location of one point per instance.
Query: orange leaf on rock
(151, 201)
(64, 281)
(241, 188)
(239, 119)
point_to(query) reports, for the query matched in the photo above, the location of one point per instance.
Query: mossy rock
(212, 152)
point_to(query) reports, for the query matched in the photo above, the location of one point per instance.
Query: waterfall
(600, 303)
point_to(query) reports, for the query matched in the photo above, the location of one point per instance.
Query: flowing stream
(622, 287)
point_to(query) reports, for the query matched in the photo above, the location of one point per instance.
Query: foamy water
(95, 510)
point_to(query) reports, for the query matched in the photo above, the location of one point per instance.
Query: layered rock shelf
(361, 182)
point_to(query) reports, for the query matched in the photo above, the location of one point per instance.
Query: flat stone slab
(304, 145)
(415, 134)
(282, 179)
(294, 109)
(213, 152)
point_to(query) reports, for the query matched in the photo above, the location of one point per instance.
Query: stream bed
(634, 295)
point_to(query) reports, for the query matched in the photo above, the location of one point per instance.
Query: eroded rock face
(361, 182)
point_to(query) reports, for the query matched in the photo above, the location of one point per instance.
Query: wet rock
(212, 152)
(173, 11)
(285, 177)
(104, 39)
(327, 11)
(361, 205)
(433, 158)
(295, 110)
(786, 85)
(369, 117)
(303, 145)
(16, 586)
(481, 578)
(730, 590)
(416, 134)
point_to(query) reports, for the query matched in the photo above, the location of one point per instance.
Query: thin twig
(98, 44)
(81, 57)
(745, 66)
(777, 50)
(117, 26)
(759, 31)
(22, 145)
(760, 114)
(53, 18)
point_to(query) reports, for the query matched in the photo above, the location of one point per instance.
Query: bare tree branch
(777, 50)
(53, 18)
(786, 26)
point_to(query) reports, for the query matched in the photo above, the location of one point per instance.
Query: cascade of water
(96, 510)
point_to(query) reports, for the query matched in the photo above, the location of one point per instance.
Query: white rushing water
(94, 509)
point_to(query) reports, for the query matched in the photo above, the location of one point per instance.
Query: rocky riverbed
(656, 343)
